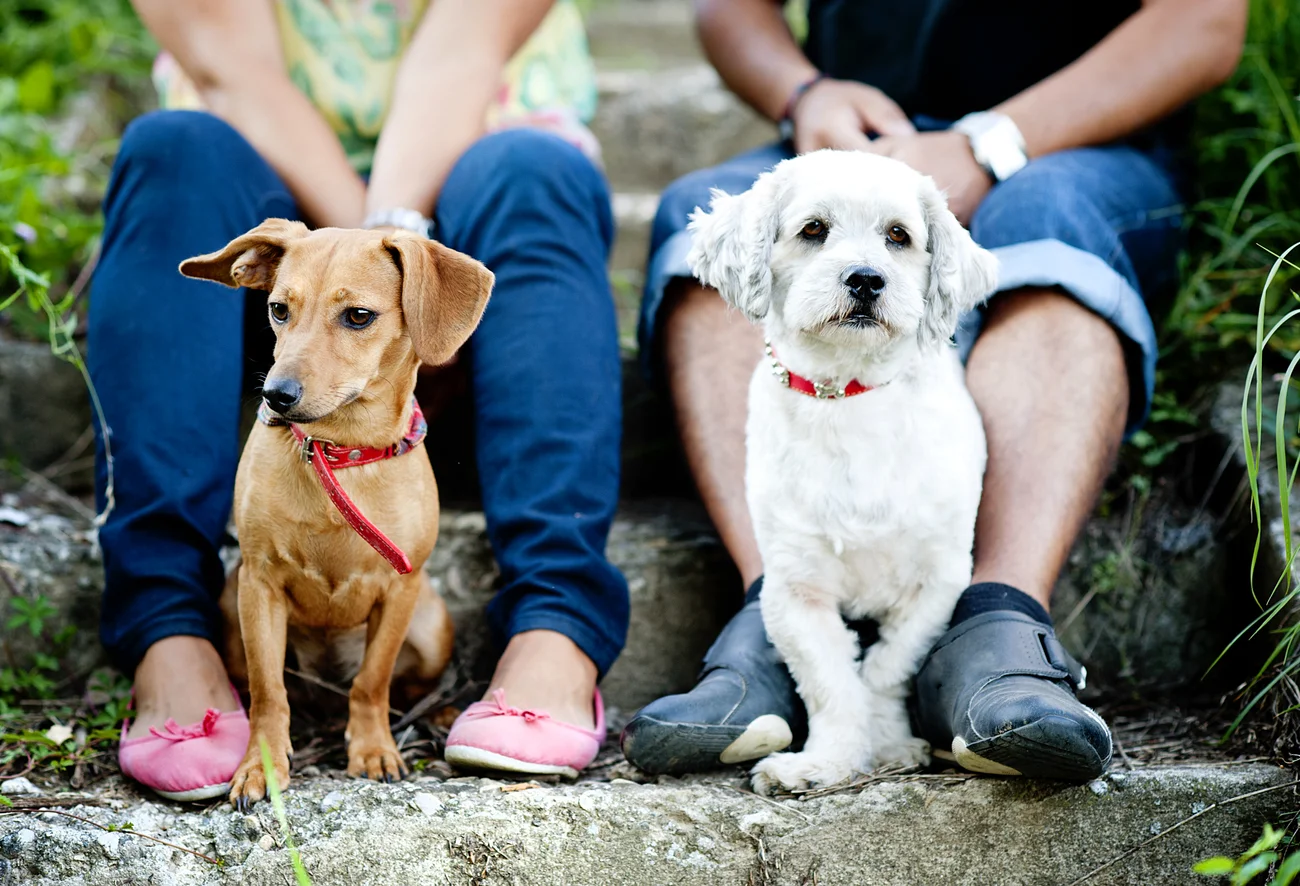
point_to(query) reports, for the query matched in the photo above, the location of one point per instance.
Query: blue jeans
(173, 358)
(1101, 224)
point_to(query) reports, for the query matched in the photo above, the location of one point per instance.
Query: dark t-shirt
(946, 58)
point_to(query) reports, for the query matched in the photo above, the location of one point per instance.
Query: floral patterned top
(344, 55)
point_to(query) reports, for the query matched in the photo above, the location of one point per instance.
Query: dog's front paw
(248, 785)
(911, 751)
(376, 757)
(792, 772)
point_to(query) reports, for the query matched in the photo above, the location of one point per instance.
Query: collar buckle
(827, 391)
(305, 452)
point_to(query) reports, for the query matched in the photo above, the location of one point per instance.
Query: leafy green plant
(38, 730)
(1247, 182)
(54, 157)
(1254, 862)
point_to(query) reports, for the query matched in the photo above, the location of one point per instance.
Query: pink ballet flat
(188, 763)
(492, 735)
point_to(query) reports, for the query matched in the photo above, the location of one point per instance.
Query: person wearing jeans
(289, 128)
(1055, 131)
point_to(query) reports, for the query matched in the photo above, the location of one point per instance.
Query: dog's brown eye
(279, 311)
(814, 230)
(358, 318)
(898, 235)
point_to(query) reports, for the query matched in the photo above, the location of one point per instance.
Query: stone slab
(971, 832)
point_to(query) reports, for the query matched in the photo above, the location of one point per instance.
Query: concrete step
(642, 34)
(656, 126)
(895, 832)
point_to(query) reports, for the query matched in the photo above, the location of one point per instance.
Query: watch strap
(406, 219)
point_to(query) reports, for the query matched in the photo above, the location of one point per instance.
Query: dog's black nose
(283, 394)
(864, 283)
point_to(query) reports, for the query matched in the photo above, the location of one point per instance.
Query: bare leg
(710, 352)
(1049, 378)
(179, 678)
(546, 671)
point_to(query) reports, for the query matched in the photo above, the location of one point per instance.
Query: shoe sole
(477, 758)
(1052, 748)
(209, 792)
(657, 747)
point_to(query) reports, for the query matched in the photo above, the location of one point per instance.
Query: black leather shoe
(997, 695)
(744, 707)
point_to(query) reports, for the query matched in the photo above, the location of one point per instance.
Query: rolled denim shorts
(1101, 224)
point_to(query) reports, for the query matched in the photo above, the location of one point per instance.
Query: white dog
(865, 451)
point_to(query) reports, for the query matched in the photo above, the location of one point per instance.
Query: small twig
(771, 802)
(1119, 746)
(1077, 610)
(133, 833)
(27, 804)
(8, 580)
(441, 696)
(87, 271)
(57, 494)
(1169, 830)
(337, 690)
(58, 466)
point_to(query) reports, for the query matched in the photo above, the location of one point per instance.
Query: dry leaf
(58, 733)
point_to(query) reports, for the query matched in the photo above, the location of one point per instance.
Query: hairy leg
(710, 352)
(1049, 378)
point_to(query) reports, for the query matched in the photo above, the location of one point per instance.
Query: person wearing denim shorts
(1055, 130)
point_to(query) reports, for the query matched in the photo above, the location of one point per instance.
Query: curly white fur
(863, 506)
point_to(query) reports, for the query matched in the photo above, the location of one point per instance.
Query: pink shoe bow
(494, 735)
(504, 710)
(173, 732)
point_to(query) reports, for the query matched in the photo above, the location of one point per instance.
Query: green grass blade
(277, 804)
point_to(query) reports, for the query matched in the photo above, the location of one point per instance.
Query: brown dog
(355, 313)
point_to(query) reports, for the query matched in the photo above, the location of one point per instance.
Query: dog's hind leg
(232, 638)
(427, 648)
(807, 629)
(371, 749)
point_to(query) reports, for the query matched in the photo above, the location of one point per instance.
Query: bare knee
(1048, 316)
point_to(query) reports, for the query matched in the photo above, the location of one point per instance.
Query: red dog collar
(819, 390)
(325, 456)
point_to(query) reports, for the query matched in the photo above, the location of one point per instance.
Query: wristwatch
(996, 142)
(406, 219)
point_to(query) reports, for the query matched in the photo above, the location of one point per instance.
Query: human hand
(839, 113)
(946, 157)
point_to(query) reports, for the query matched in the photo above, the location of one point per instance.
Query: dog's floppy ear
(444, 293)
(250, 259)
(732, 245)
(961, 273)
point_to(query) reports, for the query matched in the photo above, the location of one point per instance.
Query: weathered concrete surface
(979, 832)
(682, 588)
(656, 126)
(1152, 591)
(642, 35)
